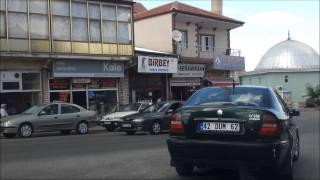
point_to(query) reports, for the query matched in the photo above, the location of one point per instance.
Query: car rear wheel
(184, 169)
(155, 128)
(25, 130)
(287, 173)
(130, 132)
(65, 132)
(9, 135)
(82, 127)
(110, 127)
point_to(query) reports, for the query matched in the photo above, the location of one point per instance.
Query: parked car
(243, 126)
(63, 117)
(112, 121)
(154, 119)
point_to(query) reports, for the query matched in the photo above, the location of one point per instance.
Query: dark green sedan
(235, 127)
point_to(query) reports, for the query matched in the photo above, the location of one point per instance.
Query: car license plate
(219, 126)
(107, 122)
(126, 125)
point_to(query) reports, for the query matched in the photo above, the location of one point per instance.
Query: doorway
(80, 98)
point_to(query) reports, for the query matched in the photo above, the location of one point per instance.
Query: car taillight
(269, 126)
(176, 126)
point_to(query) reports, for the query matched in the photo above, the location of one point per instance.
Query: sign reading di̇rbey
(149, 64)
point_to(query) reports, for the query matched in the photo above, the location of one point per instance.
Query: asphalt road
(105, 155)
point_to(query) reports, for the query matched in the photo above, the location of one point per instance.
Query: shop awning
(185, 82)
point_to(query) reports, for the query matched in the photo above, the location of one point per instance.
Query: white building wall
(154, 33)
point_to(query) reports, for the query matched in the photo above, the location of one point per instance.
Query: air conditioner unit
(10, 76)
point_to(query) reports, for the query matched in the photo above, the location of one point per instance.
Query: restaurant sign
(149, 64)
(190, 70)
(223, 62)
(87, 68)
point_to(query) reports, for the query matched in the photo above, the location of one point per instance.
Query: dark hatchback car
(244, 126)
(154, 119)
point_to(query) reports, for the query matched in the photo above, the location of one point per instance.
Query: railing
(189, 50)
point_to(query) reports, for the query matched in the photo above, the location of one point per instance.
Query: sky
(267, 23)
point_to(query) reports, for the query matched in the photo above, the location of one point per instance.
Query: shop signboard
(151, 64)
(87, 68)
(223, 62)
(190, 70)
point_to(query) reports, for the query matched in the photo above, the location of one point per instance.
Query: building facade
(289, 66)
(65, 50)
(202, 46)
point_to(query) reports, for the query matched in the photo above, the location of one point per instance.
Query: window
(124, 30)
(124, 25)
(39, 19)
(66, 109)
(207, 42)
(2, 24)
(184, 41)
(18, 27)
(95, 29)
(79, 22)
(109, 24)
(61, 20)
(51, 109)
(2, 5)
(17, 5)
(30, 81)
(10, 86)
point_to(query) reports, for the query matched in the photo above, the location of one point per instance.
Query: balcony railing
(191, 50)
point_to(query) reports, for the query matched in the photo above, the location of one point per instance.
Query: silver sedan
(63, 117)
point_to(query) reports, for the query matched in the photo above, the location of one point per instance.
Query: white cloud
(275, 18)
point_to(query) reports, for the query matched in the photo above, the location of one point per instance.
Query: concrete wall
(297, 82)
(154, 33)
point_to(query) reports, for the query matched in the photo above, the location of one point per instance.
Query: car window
(66, 109)
(239, 96)
(282, 103)
(174, 106)
(159, 107)
(143, 106)
(51, 109)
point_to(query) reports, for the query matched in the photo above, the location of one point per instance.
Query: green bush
(314, 93)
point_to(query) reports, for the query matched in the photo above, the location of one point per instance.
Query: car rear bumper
(222, 154)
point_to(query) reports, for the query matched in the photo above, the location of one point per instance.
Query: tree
(313, 93)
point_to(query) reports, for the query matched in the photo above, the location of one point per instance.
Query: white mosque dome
(289, 54)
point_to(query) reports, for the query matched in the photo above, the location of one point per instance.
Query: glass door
(80, 98)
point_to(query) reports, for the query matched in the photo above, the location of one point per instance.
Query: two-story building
(204, 52)
(65, 50)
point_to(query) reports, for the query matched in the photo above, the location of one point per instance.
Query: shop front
(20, 90)
(149, 78)
(91, 84)
(186, 81)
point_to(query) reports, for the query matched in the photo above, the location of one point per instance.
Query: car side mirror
(294, 112)
(41, 113)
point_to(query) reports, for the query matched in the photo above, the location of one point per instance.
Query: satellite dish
(176, 35)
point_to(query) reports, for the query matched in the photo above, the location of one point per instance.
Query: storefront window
(30, 81)
(102, 101)
(60, 96)
(59, 84)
